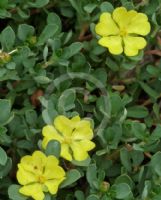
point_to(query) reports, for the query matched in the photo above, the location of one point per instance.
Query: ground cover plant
(80, 100)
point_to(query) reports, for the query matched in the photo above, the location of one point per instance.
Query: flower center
(67, 140)
(123, 32)
(41, 179)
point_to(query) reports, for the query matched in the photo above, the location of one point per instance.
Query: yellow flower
(38, 174)
(122, 31)
(73, 134)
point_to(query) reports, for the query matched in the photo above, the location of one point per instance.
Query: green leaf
(13, 192)
(66, 100)
(4, 170)
(3, 157)
(39, 3)
(151, 92)
(42, 79)
(156, 134)
(93, 197)
(122, 190)
(54, 19)
(89, 8)
(82, 163)
(4, 138)
(106, 7)
(5, 106)
(49, 31)
(139, 130)
(156, 163)
(3, 3)
(71, 177)
(124, 178)
(125, 159)
(146, 190)
(72, 50)
(137, 112)
(7, 38)
(24, 31)
(53, 148)
(91, 174)
(79, 195)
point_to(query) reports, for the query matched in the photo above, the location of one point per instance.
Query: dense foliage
(52, 65)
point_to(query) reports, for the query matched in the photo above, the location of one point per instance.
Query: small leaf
(91, 174)
(24, 31)
(89, 8)
(151, 92)
(13, 192)
(3, 3)
(38, 3)
(3, 157)
(137, 112)
(7, 38)
(122, 190)
(156, 163)
(93, 197)
(82, 163)
(66, 100)
(4, 170)
(5, 108)
(53, 148)
(48, 32)
(71, 177)
(72, 50)
(106, 7)
(42, 79)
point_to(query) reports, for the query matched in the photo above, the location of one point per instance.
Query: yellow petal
(87, 145)
(51, 133)
(34, 163)
(52, 170)
(65, 152)
(83, 130)
(33, 190)
(106, 26)
(75, 119)
(133, 45)
(63, 125)
(39, 159)
(53, 185)
(139, 25)
(113, 43)
(27, 163)
(79, 153)
(51, 161)
(25, 177)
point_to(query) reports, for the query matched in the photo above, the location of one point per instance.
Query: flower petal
(53, 185)
(120, 16)
(79, 153)
(113, 43)
(63, 125)
(133, 44)
(52, 170)
(75, 119)
(50, 133)
(39, 160)
(106, 26)
(87, 145)
(25, 177)
(65, 152)
(83, 130)
(139, 25)
(33, 190)
(34, 163)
